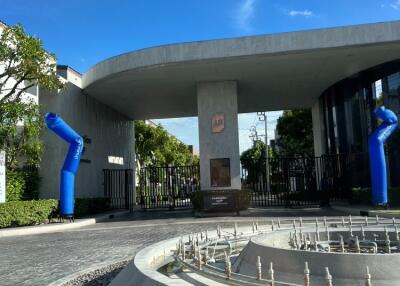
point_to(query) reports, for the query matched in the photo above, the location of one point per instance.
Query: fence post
(127, 194)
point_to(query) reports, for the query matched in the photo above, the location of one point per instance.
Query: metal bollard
(259, 271)
(358, 249)
(362, 233)
(306, 274)
(228, 269)
(271, 275)
(368, 278)
(235, 230)
(328, 277)
(199, 259)
(341, 244)
(183, 251)
(327, 232)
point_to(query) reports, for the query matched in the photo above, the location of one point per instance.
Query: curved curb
(142, 270)
(75, 275)
(57, 227)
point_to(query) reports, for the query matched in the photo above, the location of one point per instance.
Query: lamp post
(262, 116)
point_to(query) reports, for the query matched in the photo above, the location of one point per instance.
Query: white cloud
(303, 13)
(244, 14)
(395, 5)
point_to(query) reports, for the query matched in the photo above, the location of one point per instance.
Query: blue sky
(82, 33)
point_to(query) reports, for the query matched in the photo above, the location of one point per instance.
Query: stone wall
(109, 141)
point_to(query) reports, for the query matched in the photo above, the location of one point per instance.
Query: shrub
(360, 196)
(87, 206)
(364, 196)
(197, 200)
(305, 195)
(244, 199)
(23, 213)
(15, 185)
(32, 181)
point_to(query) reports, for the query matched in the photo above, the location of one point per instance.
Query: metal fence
(299, 181)
(119, 188)
(305, 181)
(167, 187)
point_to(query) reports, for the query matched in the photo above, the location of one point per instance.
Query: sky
(83, 32)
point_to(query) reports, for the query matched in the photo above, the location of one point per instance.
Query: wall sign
(218, 123)
(2, 177)
(220, 172)
(219, 201)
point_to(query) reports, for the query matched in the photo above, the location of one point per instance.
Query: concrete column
(217, 106)
(318, 129)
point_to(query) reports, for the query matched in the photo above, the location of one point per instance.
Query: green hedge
(88, 206)
(32, 182)
(23, 213)
(15, 184)
(22, 184)
(312, 196)
(363, 196)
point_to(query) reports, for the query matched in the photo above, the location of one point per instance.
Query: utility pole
(253, 134)
(262, 116)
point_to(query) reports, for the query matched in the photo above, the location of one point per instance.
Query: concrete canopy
(273, 72)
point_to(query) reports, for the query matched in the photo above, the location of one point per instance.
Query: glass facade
(348, 115)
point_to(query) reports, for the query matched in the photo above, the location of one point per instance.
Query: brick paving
(44, 258)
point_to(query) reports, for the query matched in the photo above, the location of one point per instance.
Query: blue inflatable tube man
(377, 154)
(71, 163)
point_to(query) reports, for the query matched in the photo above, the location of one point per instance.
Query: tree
(20, 125)
(24, 64)
(155, 146)
(253, 160)
(295, 133)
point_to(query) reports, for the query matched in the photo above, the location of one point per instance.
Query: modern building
(341, 73)
(108, 134)
(215, 80)
(347, 109)
(109, 138)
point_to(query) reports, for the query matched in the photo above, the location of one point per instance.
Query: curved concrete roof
(280, 71)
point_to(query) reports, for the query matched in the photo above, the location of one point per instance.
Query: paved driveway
(44, 258)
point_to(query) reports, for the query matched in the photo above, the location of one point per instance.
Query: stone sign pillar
(218, 135)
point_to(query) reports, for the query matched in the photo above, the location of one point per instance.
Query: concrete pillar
(218, 133)
(318, 129)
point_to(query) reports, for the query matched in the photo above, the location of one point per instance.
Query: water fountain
(318, 251)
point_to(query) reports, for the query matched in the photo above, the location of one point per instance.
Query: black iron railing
(306, 180)
(167, 187)
(119, 188)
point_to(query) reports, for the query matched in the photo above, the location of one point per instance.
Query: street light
(262, 116)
